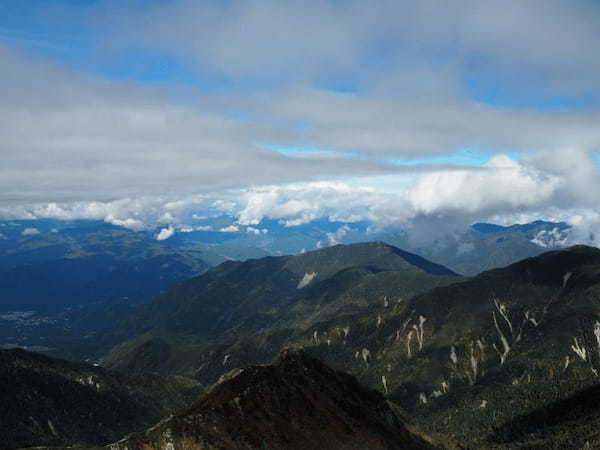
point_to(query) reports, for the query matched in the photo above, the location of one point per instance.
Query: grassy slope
(190, 328)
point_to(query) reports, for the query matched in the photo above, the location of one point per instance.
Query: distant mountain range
(79, 263)
(48, 265)
(482, 246)
(486, 246)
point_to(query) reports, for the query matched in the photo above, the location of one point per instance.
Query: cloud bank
(504, 190)
(97, 132)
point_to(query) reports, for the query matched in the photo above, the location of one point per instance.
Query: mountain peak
(294, 357)
(296, 403)
(376, 254)
(260, 296)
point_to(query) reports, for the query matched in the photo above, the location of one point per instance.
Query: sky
(143, 112)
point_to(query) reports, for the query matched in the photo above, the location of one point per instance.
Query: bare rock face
(296, 403)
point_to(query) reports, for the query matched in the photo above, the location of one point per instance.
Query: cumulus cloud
(256, 231)
(188, 229)
(502, 187)
(138, 213)
(506, 185)
(30, 231)
(165, 233)
(338, 235)
(230, 229)
(300, 203)
(552, 238)
(586, 228)
(505, 189)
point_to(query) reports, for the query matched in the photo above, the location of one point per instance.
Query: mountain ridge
(465, 357)
(49, 401)
(295, 403)
(269, 293)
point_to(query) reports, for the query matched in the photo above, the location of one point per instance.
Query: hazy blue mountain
(482, 246)
(486, 246)
(217, 239)
(269, 237)
(65, 264)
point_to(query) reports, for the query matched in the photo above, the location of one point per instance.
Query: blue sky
(121, 102)
(464, 157)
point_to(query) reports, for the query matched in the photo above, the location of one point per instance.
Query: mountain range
(469, 250)
(83, 263)
(195, 327)
(47, 265)
(489, 361)
(461, 356)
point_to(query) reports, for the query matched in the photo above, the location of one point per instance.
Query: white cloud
(550, 185)
(230, 229)
(188, 229)
(137, 156)
(165, 233)
(256, 231)
(134, 224)
(551, 238)
(300, 203)
(380, 123)
(86, 139)
(504, 184)
(337, 236)
(586, 228)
